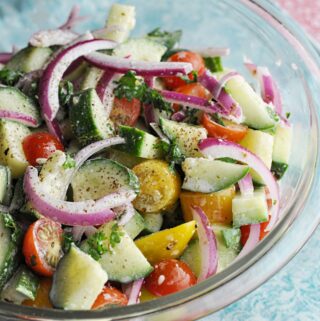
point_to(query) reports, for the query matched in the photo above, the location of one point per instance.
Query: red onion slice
(192, 101)
(132, 291)
(78, 231)
(215, 148)
(149, 114)
(207, 243)
(72, 213)
(73, 18)
(5, 57)
(122, 65)
(178, 116)
(127, 211)
(223, 81)
(252, 241)
(149, 81)
(54, 37)
(20, 118)
(49, 84)
(246, 185)
(54, 129)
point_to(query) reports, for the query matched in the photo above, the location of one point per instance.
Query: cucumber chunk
(250, 209)
(77, 282)
(88, 118)
(191, 256)
(22, 286)
(5, 185)
(99, 177)
(10, 237)
(139, 143)
(208, 176)
(91, 78)
(121, 20)
(257, 113)
(140, 49)
(13, 100)
(124, 158)
(261, 144)
(11, 151)
(124, 262)
(30, 59)
(135, 226)
(186, 136)
(153, 222)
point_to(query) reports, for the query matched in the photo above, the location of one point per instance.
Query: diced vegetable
(166, 244)
(217, 206)
(91, 78)
(159, 186)
(11, 152)
(208, 176)
(135, 226)
(88, 118)
(99, 177)
(153, 222)
(77, 282)
(5, 185)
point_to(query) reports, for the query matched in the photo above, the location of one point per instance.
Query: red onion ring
(72, 213)
(20, 118)
(5, 57)
(122, 65)
(215, 148)
(207, 243)
(178, 116)
(132, 291)
(252, 241)
(246, 185)
(73, 18)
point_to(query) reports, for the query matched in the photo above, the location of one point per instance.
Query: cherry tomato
(125, 112)
(245, 231)
(232, 132)
(42, 246)
(185, 56)
(169, 276)
(42, 299)
(109, 296)
(40, 145)
(194, 89)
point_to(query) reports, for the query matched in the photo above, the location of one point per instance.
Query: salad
(131, 168)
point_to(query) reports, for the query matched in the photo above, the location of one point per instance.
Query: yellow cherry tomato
(159, 186)
(166, 244)
(217, 206)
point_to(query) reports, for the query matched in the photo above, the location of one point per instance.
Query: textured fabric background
(294, 293)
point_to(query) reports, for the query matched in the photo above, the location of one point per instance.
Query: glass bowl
(255, 29)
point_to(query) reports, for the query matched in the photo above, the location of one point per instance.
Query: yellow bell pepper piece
(166, 244)
(159, 186)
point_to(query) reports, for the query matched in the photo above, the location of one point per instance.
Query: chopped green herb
(115, 235)
(11, 224)
(69, 162)
(9, 77)
(214, 64)
(66, 91)
(218, 119)
(97, 246)
(67, 240)
(166, 38)
(288, 115)
(193, 79)
(273, 115)
(33, 260)
(130, 87)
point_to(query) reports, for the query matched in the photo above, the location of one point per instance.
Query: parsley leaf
(288, 115)
(115, 235)
(166, 38)
(67, 240)
(193, 79)
(130, 87)
(66, 91)
(97, 246)
(69, 162)
(214, 64)
(11, 224)
(273, 115)
(9, 77)
(217, 118)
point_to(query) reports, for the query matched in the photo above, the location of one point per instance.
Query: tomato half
(42, 246)
(245, 231)
(170, 276)
(125, 112)
(40, 145)
(109, 296)
(194, 89)
(232, 132)
(185, 56)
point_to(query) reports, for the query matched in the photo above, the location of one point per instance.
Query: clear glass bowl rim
(172, 303)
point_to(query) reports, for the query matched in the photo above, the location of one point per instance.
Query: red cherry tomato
(245, 231)
(194, 89)
(109, 296)
(125, 112)
(232, 132)
(42, 246)
(40, 145)
(185, 56)
(169, 276)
